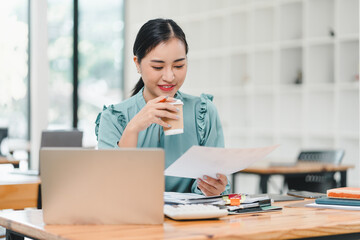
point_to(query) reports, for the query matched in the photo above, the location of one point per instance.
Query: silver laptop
(117, 186)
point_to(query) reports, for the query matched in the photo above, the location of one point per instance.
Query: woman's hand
(153, 111)
(212, 186)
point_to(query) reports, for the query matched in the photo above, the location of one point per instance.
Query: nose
(168, 74)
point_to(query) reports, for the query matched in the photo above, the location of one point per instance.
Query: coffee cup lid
(177, 102)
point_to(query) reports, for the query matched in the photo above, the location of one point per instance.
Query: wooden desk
(292, 223)
(4, 160)
(298, 169)
(18, 191)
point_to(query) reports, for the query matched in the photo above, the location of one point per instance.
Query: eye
(181, 66)
(157, 68)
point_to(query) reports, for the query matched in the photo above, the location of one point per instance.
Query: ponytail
(139, 85)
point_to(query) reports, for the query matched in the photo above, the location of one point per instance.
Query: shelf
(291, 21)
(320, 87)
(319, 116)
(263, 25)
(239, 115)
(319, 41)
(259, 4)
(349, 37)
(262, 112)
(215, 24)
(320, 18)
(289, 1)
(320, 64)
(348, 114)
(214, 78)
(321, 142)
(291, 133)
(236, 3)
(261, 47)
(239, 23)
(348, 62)
(290, 107)
(262, 141)
(289, 148)
(290, 88)
(197, 67)
(348, 17)
(239, 70)
(297, 43)
(267, 89)
(265, 62)
(291, 62)
(196, 33)
(352, 152)
(349, 135)
(263, 132)
(351, 86)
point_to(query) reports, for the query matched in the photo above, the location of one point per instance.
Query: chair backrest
(61, 138)
(3, 135)
(318, 182)
(327, 156)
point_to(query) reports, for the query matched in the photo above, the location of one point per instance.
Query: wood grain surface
(291, 222)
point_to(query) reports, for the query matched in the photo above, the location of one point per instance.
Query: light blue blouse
(201, 127)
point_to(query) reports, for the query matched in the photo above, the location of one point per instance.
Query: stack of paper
(248, 203)
(191, 198)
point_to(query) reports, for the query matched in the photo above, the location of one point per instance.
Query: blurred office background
(281, 71)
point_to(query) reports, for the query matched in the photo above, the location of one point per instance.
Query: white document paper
(199, 161)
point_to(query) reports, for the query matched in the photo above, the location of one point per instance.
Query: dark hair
(151, 34)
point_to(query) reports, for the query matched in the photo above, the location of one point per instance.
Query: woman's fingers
(161, 123)
(216, 183)
(154, 110)
(222, 178)
(166, 114)
(206, 188)
(166, 106)
(213, 186)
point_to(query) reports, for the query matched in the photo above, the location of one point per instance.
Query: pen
(164, 99)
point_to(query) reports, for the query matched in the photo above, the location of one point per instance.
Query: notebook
(114, 186)
(344, 192)
(338, 201)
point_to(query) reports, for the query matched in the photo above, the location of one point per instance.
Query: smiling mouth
(166, 87)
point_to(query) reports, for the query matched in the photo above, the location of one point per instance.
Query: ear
(137, 64)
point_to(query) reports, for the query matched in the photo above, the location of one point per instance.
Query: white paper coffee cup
(177, 125)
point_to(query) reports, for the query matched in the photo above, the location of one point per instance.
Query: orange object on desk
(234, 201)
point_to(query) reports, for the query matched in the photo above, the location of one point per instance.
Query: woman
(160, 54)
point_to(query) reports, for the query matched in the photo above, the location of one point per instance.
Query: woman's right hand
(153, 111)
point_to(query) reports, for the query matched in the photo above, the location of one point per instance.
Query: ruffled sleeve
(208, 123)
(110, 125)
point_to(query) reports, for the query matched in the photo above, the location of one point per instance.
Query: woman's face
(163, 69)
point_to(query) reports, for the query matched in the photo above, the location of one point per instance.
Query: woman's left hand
(212, 186)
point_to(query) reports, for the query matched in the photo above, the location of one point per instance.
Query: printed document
(199, 161)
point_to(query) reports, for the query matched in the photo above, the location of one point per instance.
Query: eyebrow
(160, 61)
